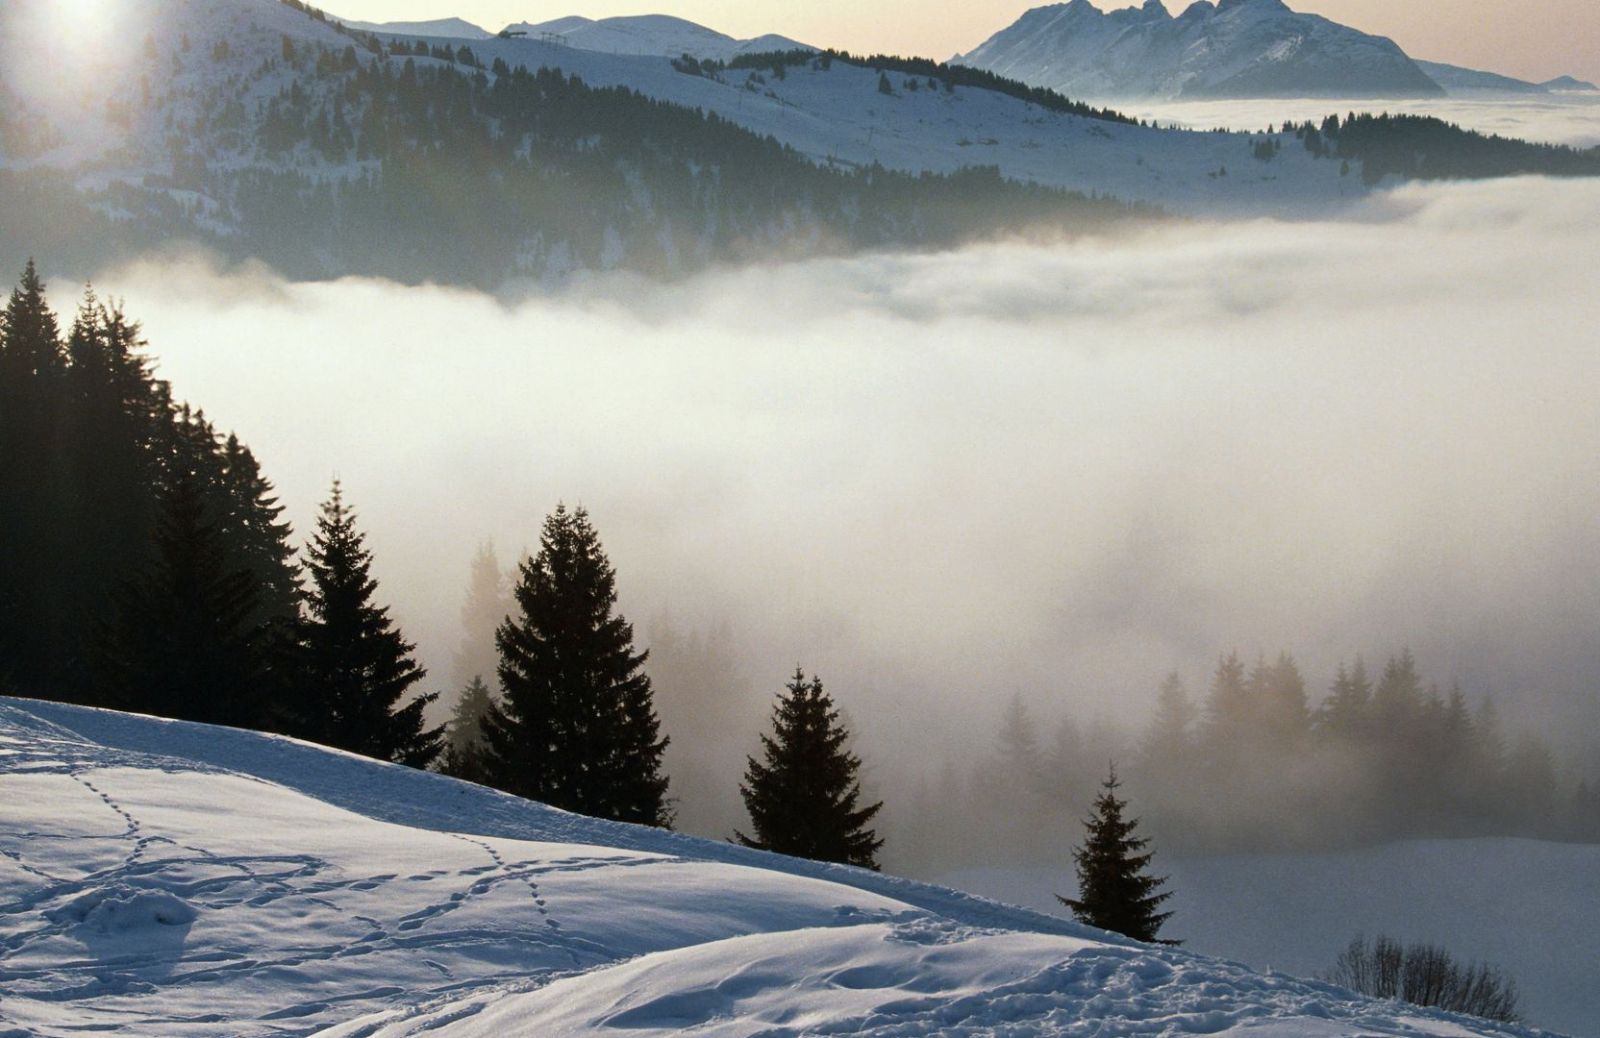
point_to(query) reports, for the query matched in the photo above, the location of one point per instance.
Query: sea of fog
(1062, 470)
(1560, 118)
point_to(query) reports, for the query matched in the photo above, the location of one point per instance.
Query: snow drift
(162, 878)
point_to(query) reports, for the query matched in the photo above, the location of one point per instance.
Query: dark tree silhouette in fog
(1115, 889)
(804, 794)
(576, 726)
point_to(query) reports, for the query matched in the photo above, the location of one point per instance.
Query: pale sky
(1535, 39)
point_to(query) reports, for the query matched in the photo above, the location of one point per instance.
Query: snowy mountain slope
(90, 78)
(263, 130)
(162, 878)
(1456, 80)
(110, 131)
(837, 114)
(445, 28)
(1235, 48)
(1571, 83)
(657, 35)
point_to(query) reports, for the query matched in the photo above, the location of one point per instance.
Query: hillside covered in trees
(326, 151)
(264, 129)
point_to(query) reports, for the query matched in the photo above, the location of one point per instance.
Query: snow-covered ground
(168, 879)
(1531, 907)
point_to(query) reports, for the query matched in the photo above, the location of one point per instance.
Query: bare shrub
(1425, 975)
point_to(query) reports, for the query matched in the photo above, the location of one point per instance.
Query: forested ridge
(420, 162)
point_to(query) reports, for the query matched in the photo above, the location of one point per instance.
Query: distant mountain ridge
(652, 35)
(1458, 80)
(268, 130)
(659, 35)
(446, 28)
(1226, 49)
(1571, 83)
(1234, 48)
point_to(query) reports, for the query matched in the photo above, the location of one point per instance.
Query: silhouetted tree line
(939, 74)
(1419, 147)
(145, 566)
(1257, 765)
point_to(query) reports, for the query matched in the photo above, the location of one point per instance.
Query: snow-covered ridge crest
(1235, 48)
(175, 879)
(657, 35)
(443, 28)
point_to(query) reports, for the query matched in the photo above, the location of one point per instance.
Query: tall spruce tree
(33, 609)
(804, 795)
(258, 538)
(576, 727)
(356, 669)
(182, 644)
(1115, 892)
(118, 415)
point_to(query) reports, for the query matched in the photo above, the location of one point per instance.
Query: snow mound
(117, 908)
(161, 878)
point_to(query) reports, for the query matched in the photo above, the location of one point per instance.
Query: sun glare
(72, 46)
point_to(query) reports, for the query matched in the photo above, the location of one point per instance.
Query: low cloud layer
(1566, 118)
(1064, 470)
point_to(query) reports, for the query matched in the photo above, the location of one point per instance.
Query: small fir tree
(1115, 892)
(804, 795)
(465, 755)
(356, 668)
(487, 603)
(576, 727)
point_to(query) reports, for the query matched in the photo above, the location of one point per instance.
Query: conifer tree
(1344, 714)
(356, 668)
(1168, 739)
(576, 727)
(465, 755)
(1398, 699)
(1115, 892)
(804, 795)
(32, 610)
(487, 603)
(1229, 708)
(182, 644)
(258, 538)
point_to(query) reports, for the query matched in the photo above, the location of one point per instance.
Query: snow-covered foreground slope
(1531, 907)
(170, 879)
